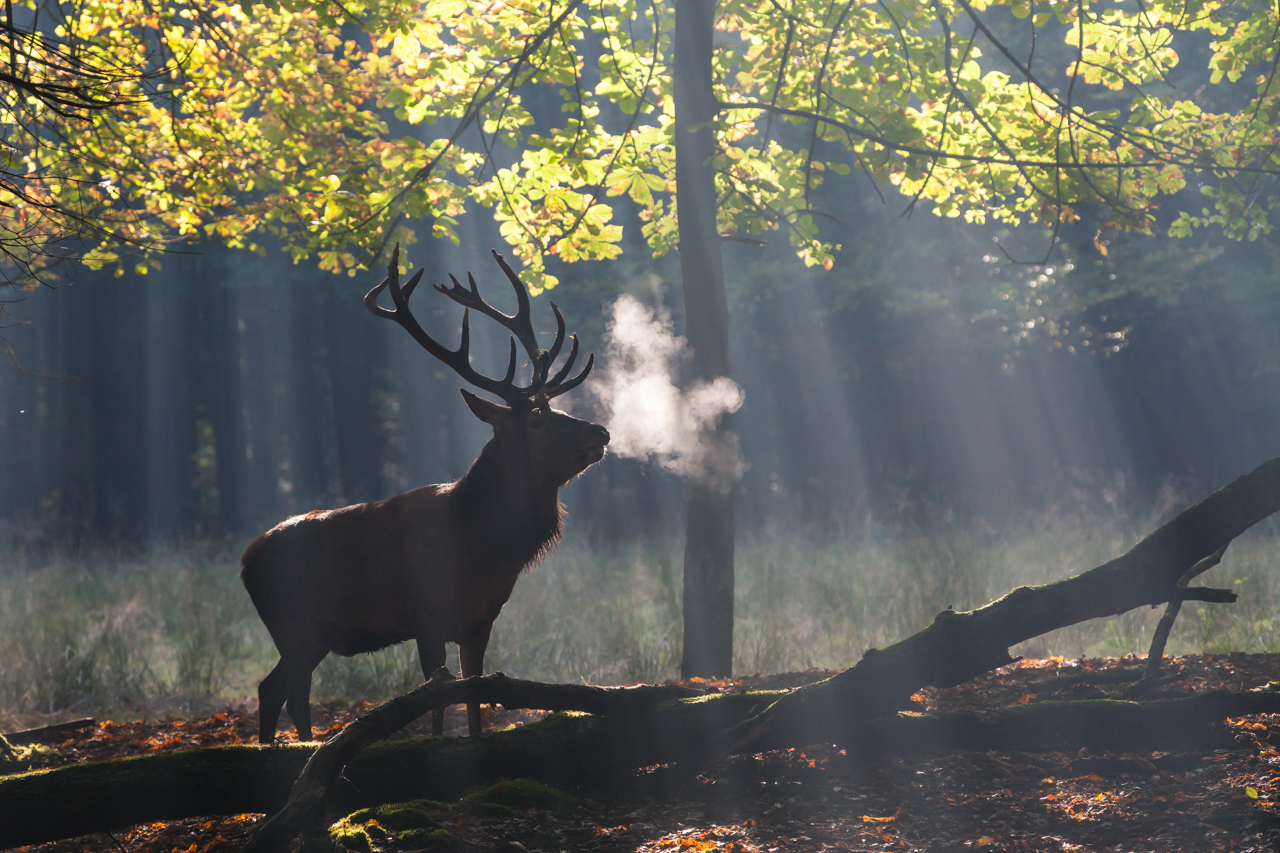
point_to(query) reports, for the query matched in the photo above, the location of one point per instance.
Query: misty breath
(640, 402)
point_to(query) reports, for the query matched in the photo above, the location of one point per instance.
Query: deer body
(435, 564)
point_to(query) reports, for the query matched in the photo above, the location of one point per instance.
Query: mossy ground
(20, 758)
(426, 825)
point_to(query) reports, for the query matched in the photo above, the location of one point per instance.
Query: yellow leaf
(406, 48)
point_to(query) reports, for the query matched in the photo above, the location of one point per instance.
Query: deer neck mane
(504, 509)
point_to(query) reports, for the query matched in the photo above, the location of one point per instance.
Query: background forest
(951, 410)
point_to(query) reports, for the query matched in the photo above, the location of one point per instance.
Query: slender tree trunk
(220, 394)
(708, 555)
(70, 445)
(351, 360)
(308, 469)
(173, 501)
(116, 381)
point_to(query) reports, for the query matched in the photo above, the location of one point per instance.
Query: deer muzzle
(593, 449)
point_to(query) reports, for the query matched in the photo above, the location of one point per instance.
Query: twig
(1155, 656)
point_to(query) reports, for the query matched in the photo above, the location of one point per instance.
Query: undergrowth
(172, 631)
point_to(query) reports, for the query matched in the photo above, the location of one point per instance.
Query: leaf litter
(814, 798)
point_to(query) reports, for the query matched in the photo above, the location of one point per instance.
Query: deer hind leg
(471, 656)
(431, 657)
(298, 702)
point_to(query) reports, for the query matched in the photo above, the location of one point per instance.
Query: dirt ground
(812, 799)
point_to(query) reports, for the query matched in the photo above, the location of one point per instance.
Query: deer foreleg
(271, 695)
(471, 656)
(431, 657)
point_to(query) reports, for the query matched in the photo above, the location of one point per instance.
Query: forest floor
(813, 799)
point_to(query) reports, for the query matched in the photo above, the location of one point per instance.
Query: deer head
(550, 445)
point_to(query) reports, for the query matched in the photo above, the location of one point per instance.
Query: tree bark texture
(708, 555)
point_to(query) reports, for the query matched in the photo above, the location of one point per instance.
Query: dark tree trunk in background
(708, 555)
(172, 499)
(68, 447)
(116, 380)
(220, 374)
(308, 470)
(353, 348)
(263, 296)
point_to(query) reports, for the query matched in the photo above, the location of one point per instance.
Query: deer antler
(520, 325)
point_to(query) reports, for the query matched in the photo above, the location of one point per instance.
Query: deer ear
(488, 412)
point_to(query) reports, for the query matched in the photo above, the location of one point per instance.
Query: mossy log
(1167, 725)
(592, 750)
(309, 799)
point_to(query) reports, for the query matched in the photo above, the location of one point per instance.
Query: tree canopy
(339, 129)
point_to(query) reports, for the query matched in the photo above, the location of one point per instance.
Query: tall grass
(172, 630)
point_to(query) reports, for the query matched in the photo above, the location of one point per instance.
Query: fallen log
(52, 732)
(960, 646)
(1165, 725)
(308, 801)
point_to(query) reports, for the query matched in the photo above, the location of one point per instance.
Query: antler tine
(520, 324)
(575, 381)
(402, 314)
(461, 362)
(511, 366)
(568, 365)
(457, 359)
(554, 352)
(413, 282)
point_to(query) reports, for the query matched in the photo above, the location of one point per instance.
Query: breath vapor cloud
(647, 414)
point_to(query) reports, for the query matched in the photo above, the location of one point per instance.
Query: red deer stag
(435, 564)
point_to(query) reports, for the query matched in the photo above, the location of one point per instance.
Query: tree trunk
(173, 501)
(116, 380)
(708, 555)
(221, 401)
(308, 470)
(352, 356)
